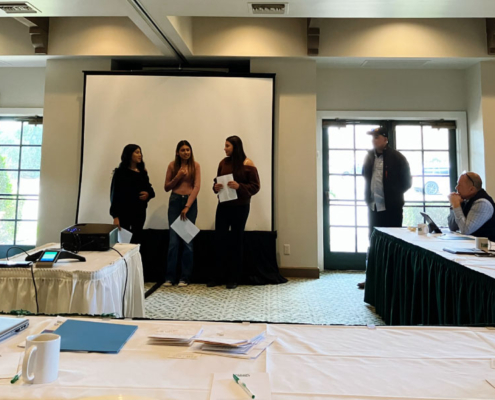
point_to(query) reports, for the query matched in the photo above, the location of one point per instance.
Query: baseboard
(312, 273)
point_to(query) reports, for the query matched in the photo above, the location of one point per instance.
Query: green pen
(243, 386)
(16, 378)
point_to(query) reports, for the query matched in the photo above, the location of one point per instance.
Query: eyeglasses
(471, 179)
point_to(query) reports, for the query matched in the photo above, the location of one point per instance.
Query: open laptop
(11, 326)
(432, 227)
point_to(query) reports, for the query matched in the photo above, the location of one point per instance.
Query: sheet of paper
(225, 388)
(10, 364)
(174, 331)
(125, 236)
(185, 229)
(226, 194)
(250, 355)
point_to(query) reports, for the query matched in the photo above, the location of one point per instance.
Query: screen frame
(188, 74)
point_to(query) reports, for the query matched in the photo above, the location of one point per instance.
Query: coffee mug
(422, 229)
(41, 358)
(482, 243)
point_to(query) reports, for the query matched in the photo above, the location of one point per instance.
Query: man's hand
(116, 221)
(455, 200)
(217, 187)
(144, 196)
(233, 185)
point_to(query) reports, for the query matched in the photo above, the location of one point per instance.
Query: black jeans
(134, 223)
(233, 217)
(390, 218)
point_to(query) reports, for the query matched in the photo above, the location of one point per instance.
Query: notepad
(96, 337)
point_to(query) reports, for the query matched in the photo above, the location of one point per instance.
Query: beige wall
(295, 158)
(22, 87)
(249, 37)
(488, 109)
(475, 120)
(98, 36)
(60, 159)
(402, 37)
(14, 38)
(391, 90)
(184, 28)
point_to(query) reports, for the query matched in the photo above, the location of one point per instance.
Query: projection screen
(156, 112)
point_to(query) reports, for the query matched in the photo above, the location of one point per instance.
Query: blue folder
(96, 337)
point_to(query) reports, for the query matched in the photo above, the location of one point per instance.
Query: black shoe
(231, 285)
(212, 284)
(361, 285)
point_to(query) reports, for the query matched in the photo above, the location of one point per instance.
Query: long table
(410, 280)
(94, 287)
(305, 362)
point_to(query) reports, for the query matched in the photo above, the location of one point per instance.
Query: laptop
(432, 227)
(11, 326)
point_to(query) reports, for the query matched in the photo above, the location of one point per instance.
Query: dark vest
(488, 229)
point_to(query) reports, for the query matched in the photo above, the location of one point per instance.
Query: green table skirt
(409, 285)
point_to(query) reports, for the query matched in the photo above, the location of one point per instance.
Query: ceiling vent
(268, 8)
(394, 64)
(18, 8)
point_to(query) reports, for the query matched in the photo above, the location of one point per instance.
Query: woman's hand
(233, 185)
(218, 187)
(116, 221)
(183, 213)
(144, 196)
(181, 173)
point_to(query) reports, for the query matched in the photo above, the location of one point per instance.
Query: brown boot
(361, 285)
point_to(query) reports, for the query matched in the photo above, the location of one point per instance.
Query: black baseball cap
(379, 131)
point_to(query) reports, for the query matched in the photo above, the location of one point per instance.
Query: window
(430, 149)
(20, 159)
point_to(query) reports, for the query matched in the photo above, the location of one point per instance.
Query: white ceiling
(297, 8)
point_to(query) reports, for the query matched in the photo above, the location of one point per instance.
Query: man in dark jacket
(472, 208)
(387, 177)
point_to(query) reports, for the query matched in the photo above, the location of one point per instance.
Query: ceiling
(297, 8)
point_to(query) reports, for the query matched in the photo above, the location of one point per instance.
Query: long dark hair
(126, 157)
(191, 165)
(238, 156)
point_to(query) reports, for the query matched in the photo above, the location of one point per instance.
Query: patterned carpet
(332, 299)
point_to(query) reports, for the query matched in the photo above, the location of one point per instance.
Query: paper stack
(176, 335)
(239, 343)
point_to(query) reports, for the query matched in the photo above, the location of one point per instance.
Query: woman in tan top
(184, 179)
(233, 214)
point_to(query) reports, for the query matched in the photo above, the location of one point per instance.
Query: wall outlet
(287, 249)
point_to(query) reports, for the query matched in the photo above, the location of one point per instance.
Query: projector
(89, 237)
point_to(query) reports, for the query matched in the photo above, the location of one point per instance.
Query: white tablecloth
(93, 287)
(306, 362)
(433, 243)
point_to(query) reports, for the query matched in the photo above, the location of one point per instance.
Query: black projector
(89, 237)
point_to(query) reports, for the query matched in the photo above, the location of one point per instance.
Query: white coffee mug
(422, 229)
(482, 243)
(41, 358)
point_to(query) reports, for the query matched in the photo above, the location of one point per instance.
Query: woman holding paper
(184, 180)
(233, 214)
(130, 192)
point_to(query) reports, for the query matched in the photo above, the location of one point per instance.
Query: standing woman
(130, 192)
(233, 214)
(184, 180)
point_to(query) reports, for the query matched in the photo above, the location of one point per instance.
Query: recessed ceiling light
(18, 8)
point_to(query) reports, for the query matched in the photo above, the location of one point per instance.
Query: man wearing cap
(472, 208)
(387, 177)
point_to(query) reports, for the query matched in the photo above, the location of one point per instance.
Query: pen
(16, 378)
(243, 386)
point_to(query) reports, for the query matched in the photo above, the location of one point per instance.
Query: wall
(475, 120)
(249, 37)
(488, 109)
(391, 90)
(60, 163)
(295, 158)
(22, 87)
(98, 36)
(14, 38)
(402, 37)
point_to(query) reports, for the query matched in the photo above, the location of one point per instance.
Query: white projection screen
(156, 112)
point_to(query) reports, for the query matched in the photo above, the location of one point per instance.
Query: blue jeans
(176, 204)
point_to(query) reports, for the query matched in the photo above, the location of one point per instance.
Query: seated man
(472, 208)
